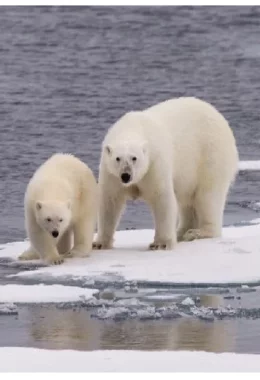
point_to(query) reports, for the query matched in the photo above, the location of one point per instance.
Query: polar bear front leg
(65, 243)
(29, 254)
(110, 209)
(44, 244)
(164, 206)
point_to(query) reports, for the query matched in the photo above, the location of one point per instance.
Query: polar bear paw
(79, 251)
(194, 234)
(54, 260)
(99, 245)
(162, 245)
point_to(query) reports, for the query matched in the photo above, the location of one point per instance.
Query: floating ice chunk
(149, 313)
(169, 312)
(118, 313)
(94, 302)
(225, 312)
(130, 302)
(203, 313)
(188, 302)
(8, 309)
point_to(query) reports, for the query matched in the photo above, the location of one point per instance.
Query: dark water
(67, 73)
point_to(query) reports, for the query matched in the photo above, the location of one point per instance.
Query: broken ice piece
(188, 302)
(8, 309)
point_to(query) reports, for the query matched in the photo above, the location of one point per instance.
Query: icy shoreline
(39, 360)
(119, 283)
(231, 260)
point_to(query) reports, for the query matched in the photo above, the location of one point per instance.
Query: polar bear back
(201, 143)
(190, 117)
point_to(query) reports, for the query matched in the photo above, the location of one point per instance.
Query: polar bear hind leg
(209, 206)
(187, 220)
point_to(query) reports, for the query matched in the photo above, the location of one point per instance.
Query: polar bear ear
(38, 205)
(108, 149)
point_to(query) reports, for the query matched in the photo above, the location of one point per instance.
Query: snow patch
(39, 360)
(249, 165)
(43, 293)
(232, 259)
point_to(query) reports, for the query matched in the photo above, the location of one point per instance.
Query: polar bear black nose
(125, 177)
(55, 233)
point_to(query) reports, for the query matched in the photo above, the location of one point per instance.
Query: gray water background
(68, 73)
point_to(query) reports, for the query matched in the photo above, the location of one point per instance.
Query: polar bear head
(127, 160)
(53, 216)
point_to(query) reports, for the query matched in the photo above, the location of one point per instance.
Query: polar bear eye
(118, 159)
(134, 158)
(48, 219)
(61, 220)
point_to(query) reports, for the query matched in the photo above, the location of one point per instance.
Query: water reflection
(53, 328)
(49, 327)
(212, 300)
(62, 329)
(182, 334)
(197, 335)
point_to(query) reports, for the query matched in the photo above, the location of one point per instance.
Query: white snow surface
(42, 293)
(39, 360)
(249, 165)
(234, 258)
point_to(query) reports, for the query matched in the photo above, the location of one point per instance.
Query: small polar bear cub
(180, 156)
(60, 206)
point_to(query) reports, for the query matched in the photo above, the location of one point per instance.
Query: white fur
(61, 196)
(186, 161)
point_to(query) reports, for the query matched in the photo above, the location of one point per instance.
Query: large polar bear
(180, 156)
(60, 206)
